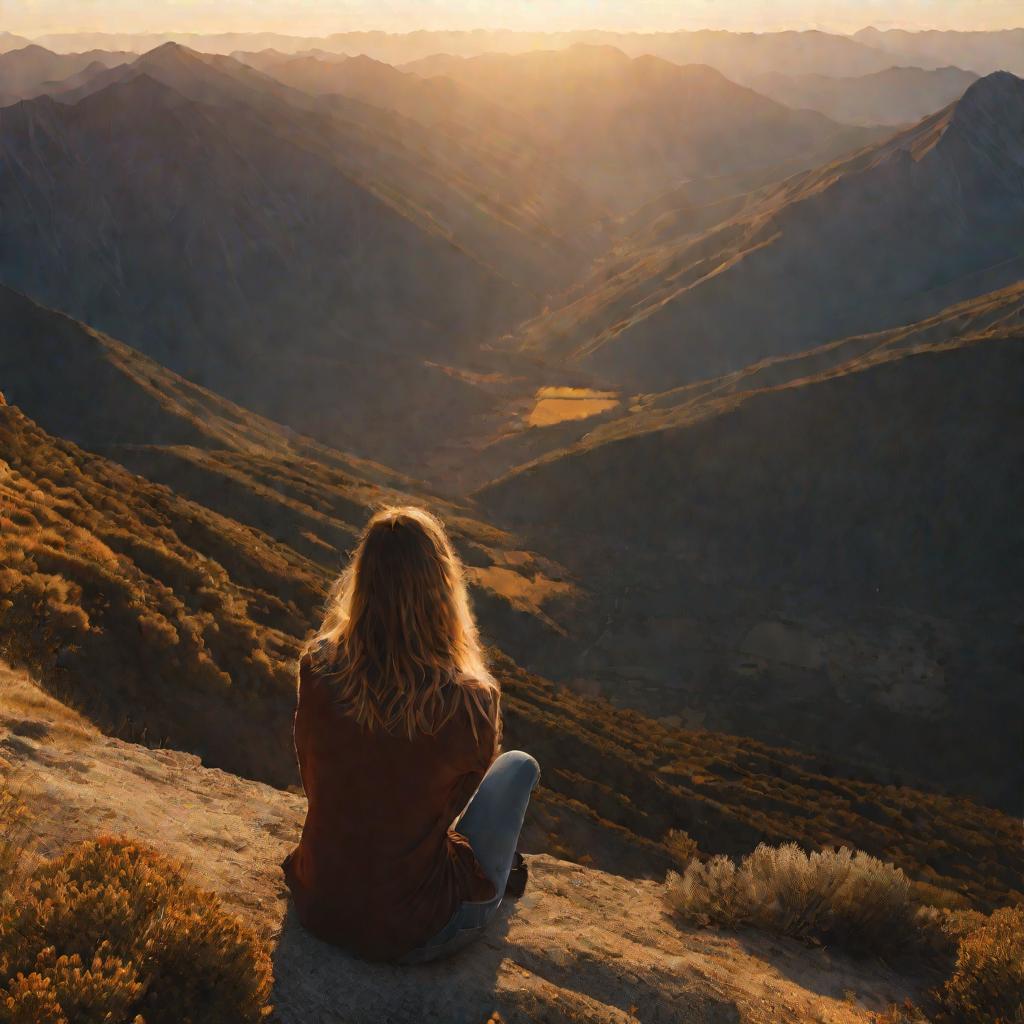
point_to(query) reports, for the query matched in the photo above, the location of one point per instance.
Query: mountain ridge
(797, 266)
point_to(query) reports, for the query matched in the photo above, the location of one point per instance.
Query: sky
(321, 17)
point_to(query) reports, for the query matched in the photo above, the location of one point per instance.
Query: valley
(706, 346)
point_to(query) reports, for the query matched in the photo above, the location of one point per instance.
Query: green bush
(837, 897)
(987, 984)
(113, 932)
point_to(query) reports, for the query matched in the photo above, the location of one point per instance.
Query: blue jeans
(491, 822)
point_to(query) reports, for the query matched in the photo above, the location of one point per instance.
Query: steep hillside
(97, 392)
(822, 550)
(632, 128)
(582, 945)
(888, 236)
(34, 70)
(898, 96)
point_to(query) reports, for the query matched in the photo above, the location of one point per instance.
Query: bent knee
(522, 766)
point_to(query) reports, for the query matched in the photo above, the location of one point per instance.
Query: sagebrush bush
(838, 897)
(112, 931)
(987, 984)
(682, 848)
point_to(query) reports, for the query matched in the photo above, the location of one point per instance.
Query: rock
(581, 945)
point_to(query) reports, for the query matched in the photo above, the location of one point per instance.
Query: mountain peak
(990, 118)
(168, 55)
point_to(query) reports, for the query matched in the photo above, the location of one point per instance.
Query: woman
(397, 727)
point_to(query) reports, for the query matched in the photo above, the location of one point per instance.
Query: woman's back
(378, 869)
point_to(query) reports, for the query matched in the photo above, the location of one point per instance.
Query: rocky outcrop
(582, 945)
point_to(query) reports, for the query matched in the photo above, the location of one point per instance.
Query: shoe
(517, 878)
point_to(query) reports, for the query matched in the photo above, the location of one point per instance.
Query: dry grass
(987, 984)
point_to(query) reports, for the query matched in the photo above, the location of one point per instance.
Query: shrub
(113, 932)
(13, 835)
(987, 984)
(681, 848)
(838, 897)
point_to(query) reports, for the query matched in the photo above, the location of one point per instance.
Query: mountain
(261, 60)
(898, 96)
(630, 129)
(31, 70)
(279, 218)
(823, 547)
(982, 52)
(887, 236)
(9, 41)
(488, 144)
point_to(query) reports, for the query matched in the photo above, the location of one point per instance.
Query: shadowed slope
(823, 549)
(266, 232)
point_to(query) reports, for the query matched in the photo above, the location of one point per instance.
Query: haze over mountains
(736, 54)
(897, 96)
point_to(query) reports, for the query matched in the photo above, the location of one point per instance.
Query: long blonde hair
(398, 641)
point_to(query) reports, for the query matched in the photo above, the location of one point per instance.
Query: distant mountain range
(735, 54)
(33, 70)
(887, 236)
(384, 240)
(982, 52)
(629, 129)
(898, 96)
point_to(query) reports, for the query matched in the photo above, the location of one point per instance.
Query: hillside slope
(822, 550)
(581, 946)
(889, 236)
(86, 387)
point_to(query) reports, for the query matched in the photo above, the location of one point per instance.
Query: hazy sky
(316, 17)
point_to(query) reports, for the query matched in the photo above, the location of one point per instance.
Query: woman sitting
(397, 732)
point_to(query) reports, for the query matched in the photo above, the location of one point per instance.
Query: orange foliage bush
(112, 931)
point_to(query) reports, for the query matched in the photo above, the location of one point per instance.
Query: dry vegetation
(113, 932)
(834, 897)
(867, 907)
(140, 607)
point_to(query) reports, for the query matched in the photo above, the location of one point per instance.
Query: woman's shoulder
(481, 701)
(311, 676)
